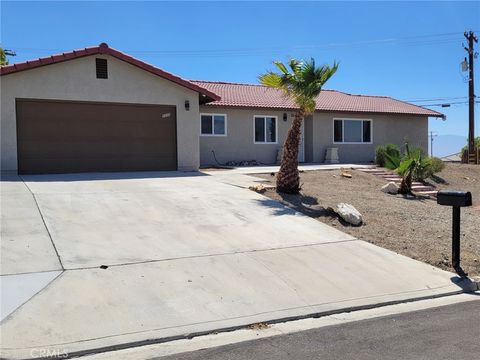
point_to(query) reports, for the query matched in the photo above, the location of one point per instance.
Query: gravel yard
(415, 227)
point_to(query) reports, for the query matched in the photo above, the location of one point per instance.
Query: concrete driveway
(92, 262)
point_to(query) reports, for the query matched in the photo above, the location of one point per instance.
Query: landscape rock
(258, 188)
(348, 213)
(390, 188)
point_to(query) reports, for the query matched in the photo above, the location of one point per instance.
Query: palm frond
(405, 165)
(271, 79)
(392, 162)
(282, 67)
(301, 81)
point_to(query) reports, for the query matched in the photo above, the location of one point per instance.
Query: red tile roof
(105, 50)
(258, 96)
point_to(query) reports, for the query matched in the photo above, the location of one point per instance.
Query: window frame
(343, 131)
(213, 124)
(265, 129)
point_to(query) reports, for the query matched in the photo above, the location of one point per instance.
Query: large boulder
(348, 213)
(390, 188)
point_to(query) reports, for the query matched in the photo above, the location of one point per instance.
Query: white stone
(348, 213)
(390, 188)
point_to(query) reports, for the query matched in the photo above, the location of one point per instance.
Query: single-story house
(98, 109)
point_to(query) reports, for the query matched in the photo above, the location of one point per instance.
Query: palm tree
(3, 57)
(302, 83)
(414, 166)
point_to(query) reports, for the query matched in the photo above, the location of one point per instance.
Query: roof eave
(104, 49)
(287, 108)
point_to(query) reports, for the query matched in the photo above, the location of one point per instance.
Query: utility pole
(432, 135)
(470, 36)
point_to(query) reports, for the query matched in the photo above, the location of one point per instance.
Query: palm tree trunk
(406, 184)
(288, 179)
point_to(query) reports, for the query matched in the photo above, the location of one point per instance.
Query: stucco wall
(385, 129)
(76, 80)
(239, 143)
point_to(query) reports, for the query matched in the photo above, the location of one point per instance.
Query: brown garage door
(61, 137)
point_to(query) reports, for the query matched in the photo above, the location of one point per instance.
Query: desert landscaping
(413, 226)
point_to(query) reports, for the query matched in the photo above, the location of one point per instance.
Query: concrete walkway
(274, 168)
(182, 253)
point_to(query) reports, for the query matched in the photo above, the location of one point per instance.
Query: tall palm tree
(302, 83)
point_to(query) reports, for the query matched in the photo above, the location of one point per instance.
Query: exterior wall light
(285, 116)
(187, 105)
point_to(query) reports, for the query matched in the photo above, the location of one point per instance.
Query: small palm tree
(414, 166)
(302, 83)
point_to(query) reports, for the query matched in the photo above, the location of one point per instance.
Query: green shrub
(413, 163)
(391, 150)
(477, 144)
(420, 166)
(464, 151)
(437, 165)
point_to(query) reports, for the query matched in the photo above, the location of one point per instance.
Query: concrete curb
(467, 285)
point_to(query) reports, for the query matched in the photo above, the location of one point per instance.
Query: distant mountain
(444, 145)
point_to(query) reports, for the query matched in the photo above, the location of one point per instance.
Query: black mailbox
(454, 198)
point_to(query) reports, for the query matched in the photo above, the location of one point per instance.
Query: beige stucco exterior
(238, 144)
(76, 80)
(386, 128)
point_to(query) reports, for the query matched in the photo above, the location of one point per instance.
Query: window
(352, 131)
(213, 124)
(102, 69)
(265, 129)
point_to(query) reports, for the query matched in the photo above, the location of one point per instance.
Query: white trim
(265, 129)
(213, 124)
(343, 127)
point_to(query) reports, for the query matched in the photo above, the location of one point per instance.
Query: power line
(418, 40)
(448, 104)
(436, 99)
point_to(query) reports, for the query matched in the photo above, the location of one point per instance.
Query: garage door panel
(94, 149)
(130, 163)
(58, 137)
(49, 125)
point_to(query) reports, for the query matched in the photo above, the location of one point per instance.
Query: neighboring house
(97, 109)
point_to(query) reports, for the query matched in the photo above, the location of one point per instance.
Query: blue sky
(384, 48)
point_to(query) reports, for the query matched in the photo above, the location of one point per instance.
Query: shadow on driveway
(11, 176)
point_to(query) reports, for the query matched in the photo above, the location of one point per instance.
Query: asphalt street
(448, 332)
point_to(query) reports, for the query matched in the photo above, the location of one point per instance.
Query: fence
(471, 158)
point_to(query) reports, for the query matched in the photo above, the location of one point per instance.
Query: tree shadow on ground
(438, 180)
(305, 204)
(412, 197)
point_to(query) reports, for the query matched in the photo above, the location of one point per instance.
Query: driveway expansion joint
(209, 255)
(44, 222)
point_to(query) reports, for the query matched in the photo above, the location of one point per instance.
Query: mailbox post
(455, 199)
